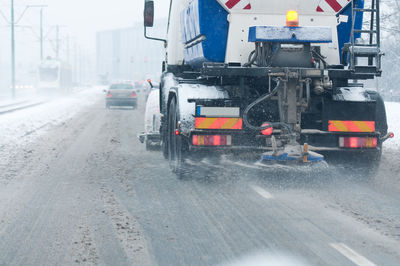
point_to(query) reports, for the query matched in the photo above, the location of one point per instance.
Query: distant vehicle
(121, 95)
(152, 122)
(54, 76)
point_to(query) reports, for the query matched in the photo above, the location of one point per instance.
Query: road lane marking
(352, 255)
(213, 165)
(262, 192)
(246, 165)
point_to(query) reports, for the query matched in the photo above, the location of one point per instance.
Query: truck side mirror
(151, 84)
(148, 13)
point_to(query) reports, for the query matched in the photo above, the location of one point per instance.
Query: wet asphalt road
(87, 192)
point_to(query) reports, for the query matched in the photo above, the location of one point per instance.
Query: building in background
(124, 54)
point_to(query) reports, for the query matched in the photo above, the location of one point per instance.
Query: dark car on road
(121, 95)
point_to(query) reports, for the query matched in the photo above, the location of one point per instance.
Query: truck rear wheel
(148, 145)
(164, 142)
(176, 151)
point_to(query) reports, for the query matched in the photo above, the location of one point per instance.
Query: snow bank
(393, 117)
(16, 126)
(21, 95)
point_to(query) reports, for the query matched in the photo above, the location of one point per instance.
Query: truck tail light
(358, 142)
(109, 95)
(267, 131)
(133, 95)
(292, 18)
(212, 140)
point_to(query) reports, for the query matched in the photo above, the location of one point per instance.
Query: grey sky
(81, 18)
(85, 17)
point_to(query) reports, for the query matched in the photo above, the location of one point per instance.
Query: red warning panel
(351, 126)
(218, 123)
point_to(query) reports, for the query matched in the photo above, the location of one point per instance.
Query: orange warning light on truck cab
(292, 18)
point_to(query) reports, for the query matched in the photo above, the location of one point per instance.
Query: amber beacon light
(292, 18)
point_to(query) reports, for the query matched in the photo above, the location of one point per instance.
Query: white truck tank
(218, 30)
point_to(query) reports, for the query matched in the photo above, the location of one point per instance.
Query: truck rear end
(277, 80)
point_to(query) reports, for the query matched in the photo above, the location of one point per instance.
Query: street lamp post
(58, 42)
(12, 51)
(13, 22)
(41, 34)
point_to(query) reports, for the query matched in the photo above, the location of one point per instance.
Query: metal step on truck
(278, 81)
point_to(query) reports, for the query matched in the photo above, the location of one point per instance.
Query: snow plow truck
(280, 81)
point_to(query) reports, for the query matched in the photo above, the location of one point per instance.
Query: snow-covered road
(393, 117)
(14, 126)
(77, 187)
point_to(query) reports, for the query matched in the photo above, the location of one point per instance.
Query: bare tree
(390, 40)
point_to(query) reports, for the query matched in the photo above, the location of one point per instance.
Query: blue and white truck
(277, 80)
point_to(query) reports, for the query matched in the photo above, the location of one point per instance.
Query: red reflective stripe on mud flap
(371, 125)
(199, 121)
(332, 127)
(351, 126)
(238, 125)
(218, 123)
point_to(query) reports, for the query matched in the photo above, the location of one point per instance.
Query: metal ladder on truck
(370, 49)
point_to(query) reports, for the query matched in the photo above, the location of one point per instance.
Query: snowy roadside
(388, 174)
(25, 125)
(21, 96)
(393, 119)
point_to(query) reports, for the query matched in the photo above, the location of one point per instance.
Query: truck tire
(370, 162)
(148, 145)
(175, 143)
(380, 113)
(164, 142)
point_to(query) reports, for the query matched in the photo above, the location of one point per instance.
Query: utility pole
(68, 50)
(13, 22)
(41, 34)
(12, 51)
(76, 71)
(58, 42)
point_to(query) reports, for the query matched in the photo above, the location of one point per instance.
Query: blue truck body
(206, 21)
